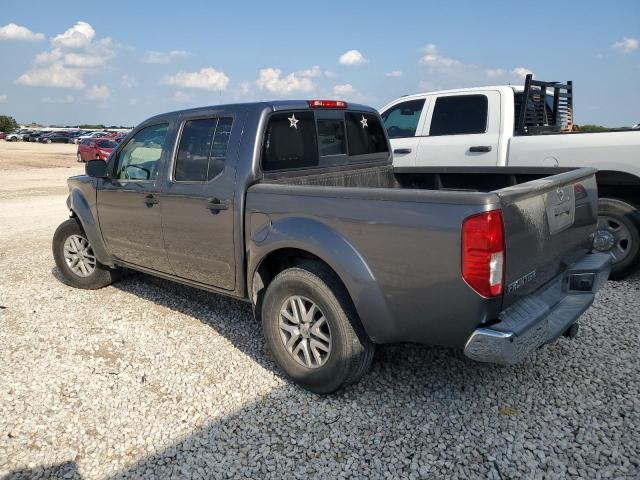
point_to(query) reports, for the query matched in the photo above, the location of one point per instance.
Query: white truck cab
(486, 126)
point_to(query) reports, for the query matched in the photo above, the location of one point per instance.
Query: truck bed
(405, 224)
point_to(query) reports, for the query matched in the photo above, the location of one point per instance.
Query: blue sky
(70, 62)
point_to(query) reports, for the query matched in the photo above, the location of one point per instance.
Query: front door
(198, 200)
(128, 203)
(403, 121)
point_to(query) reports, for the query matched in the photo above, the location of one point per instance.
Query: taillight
(327, 104)
(483, 256)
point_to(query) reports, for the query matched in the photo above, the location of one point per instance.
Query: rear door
(549, 224)
(461, 130)
(198, 199)
(403, 121)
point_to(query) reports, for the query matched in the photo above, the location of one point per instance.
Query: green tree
(592, 128)
(7, 123)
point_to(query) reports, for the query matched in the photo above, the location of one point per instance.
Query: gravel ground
(150, 379)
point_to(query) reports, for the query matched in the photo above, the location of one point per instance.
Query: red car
(95, 149)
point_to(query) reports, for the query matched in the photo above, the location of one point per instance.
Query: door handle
(402, 150)
(150, 200)
(215, 204)
(480, 149)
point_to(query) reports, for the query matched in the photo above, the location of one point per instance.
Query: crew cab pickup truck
(295, 207)
(487, 126)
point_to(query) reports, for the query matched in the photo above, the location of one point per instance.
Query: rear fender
(86, 213)
(325, 243)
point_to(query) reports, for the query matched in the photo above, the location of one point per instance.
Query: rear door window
(459, 115)
(202, 150)
(401, 120)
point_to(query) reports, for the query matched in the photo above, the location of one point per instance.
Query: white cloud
(626, 45)
(311, 72)
(78, 36)
(495, 72)
(433, 58)
(152, 56)
(98, 92)
(62, 100)
(270, 79)
(393, 74)
(520, 72)
(3, 98)
(73, 54)
(128, 81)
(329, 73)
(11, 31)
(206, 78)
(54, 75)
(345, 89)
(245, 87)
(352, 57)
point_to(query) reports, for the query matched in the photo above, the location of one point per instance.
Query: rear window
(307, 139)
(106, 144)
(365, 134)
(459, 115)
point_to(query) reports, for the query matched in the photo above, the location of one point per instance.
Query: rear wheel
(76, 260)
(313, 331)
(619, 235)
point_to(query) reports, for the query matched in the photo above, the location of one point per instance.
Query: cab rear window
(306, 139)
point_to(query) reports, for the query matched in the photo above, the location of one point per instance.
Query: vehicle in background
(95, 149)
(56, 137)
(295, 207)
(488, 127)
(32, 137)
(17, 135)
(1, 135)
(91, 135)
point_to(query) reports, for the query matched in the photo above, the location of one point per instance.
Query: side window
(401, 120)
(459, 115)
(290, 142)
(139, 159)
(364, 134)
(202, 150)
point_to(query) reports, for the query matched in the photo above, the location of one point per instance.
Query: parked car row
(60, 136)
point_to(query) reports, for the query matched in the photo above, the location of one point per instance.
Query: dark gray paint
(396, 249)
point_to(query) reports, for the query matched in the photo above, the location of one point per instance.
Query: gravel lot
(149, 379)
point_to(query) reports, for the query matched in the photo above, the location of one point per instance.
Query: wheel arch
(617, 184)
(293, 241)
(81, 209)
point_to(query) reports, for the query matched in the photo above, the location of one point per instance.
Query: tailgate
(548, 224)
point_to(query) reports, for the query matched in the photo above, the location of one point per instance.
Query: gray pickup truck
(295, 207)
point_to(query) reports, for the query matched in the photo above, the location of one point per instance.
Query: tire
(619, 213)
(351, 351)
(100, 276)
(47, 140)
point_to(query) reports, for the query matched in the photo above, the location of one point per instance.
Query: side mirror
(96, 168)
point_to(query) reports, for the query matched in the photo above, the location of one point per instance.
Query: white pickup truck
(487, 126)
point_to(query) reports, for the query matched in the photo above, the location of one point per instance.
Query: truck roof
(275, 105)
(515, 88)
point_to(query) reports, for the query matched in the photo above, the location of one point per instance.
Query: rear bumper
(541, 317)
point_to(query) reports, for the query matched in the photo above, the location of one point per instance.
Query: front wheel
(619, 235)
(313, 331)
(76, 261)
